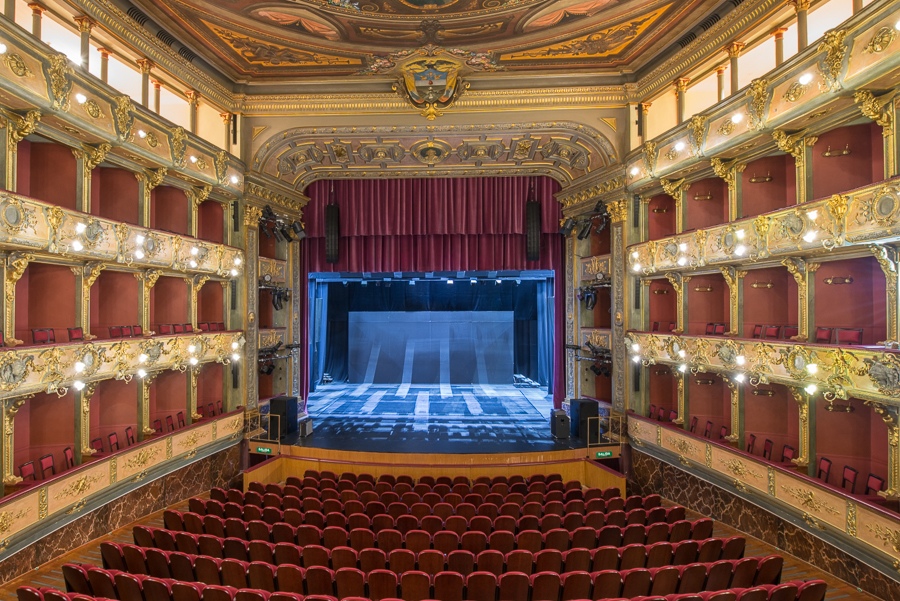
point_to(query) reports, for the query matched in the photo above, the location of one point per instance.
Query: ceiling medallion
(430, 152)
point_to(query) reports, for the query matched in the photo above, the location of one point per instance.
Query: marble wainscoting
(221, 469)
(649, 475)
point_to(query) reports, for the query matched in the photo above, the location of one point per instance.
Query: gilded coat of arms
(432, 83)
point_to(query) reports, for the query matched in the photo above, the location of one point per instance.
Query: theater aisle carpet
(446, 418)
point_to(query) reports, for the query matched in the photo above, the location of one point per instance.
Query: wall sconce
(703, 382)
(703, 289)
(661, 291)
(837, 153)
(661, 372)
(848, 408)
(763, 392)
(663, 210)
(762, 285)
(706, 196)
(838, 280)
(761, 180)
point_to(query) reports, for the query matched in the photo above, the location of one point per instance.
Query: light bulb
(449, 281)
(234, 179)
(740, 250)
(682, 261)
(141, 373)
(736, 118)
(76, 245)
(635, 171)
(237, 260)
(142, 133)
(234, 272)
(2, 48)
(682, 368)
(139, 239)
(679, 147)
(682, 247)
(78, 384)
(805, 79)
(739, 378)
(142, 358)
(194, 250)
(812, 214)
(80, 227)
(81, 98)
(79, 367)
(812, 368)
(235, 357)
(193, 361)
(637, 267)
(499, 281)
(636, 347)
(635, 254)
(740, 360)
(811, 389)
(234, 346)
(739, 234)
(193, 159)
(681, 353)
(192, 349)
(636, 359)
(810, 236)
(193, 263)
(139, 254)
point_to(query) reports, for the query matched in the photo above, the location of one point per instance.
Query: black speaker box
(581, 410)
(559, 424)
(286, 408)
(532, 230)
(332, 233)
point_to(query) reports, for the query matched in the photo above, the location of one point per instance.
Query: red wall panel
(706, 213)
(852, 305)
(663, 307)
(767, 306)
(170, 210)
(115, 301)
(210, 305)
(661, 225)
(760, 198)
(169, 302)
(113, 408)
(53, 174)
(117, 195)
(842, 173)
(707, 307)
(211, 218)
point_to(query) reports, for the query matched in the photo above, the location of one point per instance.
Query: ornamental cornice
(285, 202)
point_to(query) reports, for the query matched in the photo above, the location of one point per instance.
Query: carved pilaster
(194, 375)
(147, 181)
(889, 260)
(737, 410)
(10, 409)
(618, 213)
(678, 190)
(882, 111)
(148, 280)
(144, 426)
(890, 416)
(251, 303)
(680, 317)
(734, 279)
(83, 421)
(807, 417)
(802, 273)
(14, 267)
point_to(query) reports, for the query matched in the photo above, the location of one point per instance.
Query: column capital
(145, 64)
(734, 49)
(800, 5)
(105, 52)
(720, 70)
(681, 84)
(645, 107)
(37, 9)
(226, 118)
(778, 34)
(156, 84)
(85, 24)
(193, 97)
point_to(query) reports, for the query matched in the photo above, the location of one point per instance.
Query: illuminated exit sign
(268, 450)
(604, 454)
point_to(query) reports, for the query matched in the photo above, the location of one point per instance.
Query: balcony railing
(56, 368)
(31, 225)
(867, 215)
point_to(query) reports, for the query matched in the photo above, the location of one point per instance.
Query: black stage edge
(431, 419)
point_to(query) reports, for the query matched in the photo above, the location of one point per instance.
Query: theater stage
(413, 418)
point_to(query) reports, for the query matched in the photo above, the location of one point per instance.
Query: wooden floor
(50, 574)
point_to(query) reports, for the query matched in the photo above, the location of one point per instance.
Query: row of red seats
(139, 560)
(404, 522)
(432, 480)
(491, 508)
(252, 497)
(422, 489)
(481, 586)
(447, 541)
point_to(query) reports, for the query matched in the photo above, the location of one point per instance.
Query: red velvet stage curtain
(464, 224)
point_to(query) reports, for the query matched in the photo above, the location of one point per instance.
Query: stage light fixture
(567, 227)
(298, 230)
(584, 230)
(449, 281)
(596, 369)
(499, 281)
(265, 229)
(590, 300)
(278, 235)
(286, 232)
(473, 281)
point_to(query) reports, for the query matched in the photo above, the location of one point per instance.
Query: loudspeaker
(332, 233)
(532, 230)
(581, 410)
(286, 408)
(306, 427)
(559, 424)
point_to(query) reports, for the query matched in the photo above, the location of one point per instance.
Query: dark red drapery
(463, 224)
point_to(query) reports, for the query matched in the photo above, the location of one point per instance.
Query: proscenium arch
(562, 150)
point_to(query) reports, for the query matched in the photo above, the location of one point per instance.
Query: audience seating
(26, 470)
(76, 334)
(751, 443)
(790, 332)
(824, 469)
(849, 478)
(43, 336)
(46, 463)
(848, 336)
(823, 335)
(874, 484)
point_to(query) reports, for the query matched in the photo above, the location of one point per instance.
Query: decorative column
(734, 52)
(37, 14)
(642, 116)
(882, 110)
(251, 304)
(889, 259)
(735, 280)
(720, 81)
(86, 160)
(226, 120)
(10, 409)
(801, 7)
(147, 180)
(85, 25)
(618, 214)
(9, 10)
(806, 287)
(104, 64)
(584, 317)
(807, 412)
(680, 89)
(681, 318)
(193, 102)
(144, 424)
(157, 90)
(677, 190)
(684, 404)
(196, 196)
(857, 6)
(18, 127)
(83, 422)
(737, 411)
(146, 65)
(801, 149)
(195, 283)
(15, 266)
(779, 45)
(891, 417)
(191, 409)
(728, 171)
(148, 280)
(85, 277)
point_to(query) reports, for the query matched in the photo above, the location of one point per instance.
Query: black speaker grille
(532, 230)
(332, 233)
